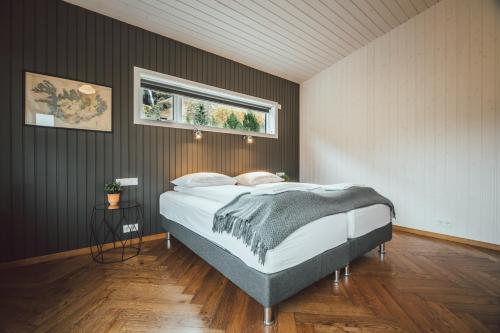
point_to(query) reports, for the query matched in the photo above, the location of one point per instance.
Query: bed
(187, 214)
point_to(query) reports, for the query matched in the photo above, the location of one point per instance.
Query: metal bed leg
(336, 276)
(268, 316)
(167, 240)
(347, 271)
(381, 248)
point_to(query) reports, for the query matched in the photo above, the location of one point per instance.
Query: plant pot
(113, 199)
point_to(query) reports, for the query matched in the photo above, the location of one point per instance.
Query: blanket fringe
(241, 229)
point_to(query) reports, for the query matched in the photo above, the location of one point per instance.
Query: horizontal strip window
(164, 100)
(201, 95)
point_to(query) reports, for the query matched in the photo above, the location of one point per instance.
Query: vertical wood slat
(153, 198)
(51, 185)
(40, 17)
(160, 148)
(56, 175)
(81, 136)
(72, 221)
(99, 137)
(90, 72)
(132, 146)
(5, 126)
(28, 163)
(488, 129)
(62, 137)
(139, 129)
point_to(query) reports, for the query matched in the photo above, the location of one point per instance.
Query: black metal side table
(122, 226)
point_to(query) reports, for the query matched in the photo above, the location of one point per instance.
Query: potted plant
(113, 190)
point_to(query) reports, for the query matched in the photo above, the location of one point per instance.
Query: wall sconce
(248, 138)
(197, 134)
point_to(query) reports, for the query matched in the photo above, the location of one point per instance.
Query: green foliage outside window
(200, 115)
(207, 113)
(250, 122)
(232, 122)
(157, 104)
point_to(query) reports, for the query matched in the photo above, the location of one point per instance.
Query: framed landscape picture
(56, 102)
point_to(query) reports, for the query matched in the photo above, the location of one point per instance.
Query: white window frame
(141, 73)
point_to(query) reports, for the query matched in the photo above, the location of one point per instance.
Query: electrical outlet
(130, 227)
(128, 181)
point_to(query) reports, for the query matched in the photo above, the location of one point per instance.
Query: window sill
(172, 124)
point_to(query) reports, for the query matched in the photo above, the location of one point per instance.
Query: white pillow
(256, 178)
(203, 179)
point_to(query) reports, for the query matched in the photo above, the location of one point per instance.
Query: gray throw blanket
(264, 221)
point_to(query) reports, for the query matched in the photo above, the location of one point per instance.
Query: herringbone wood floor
(422, 285)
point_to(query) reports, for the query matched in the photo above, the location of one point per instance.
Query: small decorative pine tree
(250, 122)
(200, 115)
(232, 122)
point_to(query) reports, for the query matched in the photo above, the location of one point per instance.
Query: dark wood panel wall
(51, 178)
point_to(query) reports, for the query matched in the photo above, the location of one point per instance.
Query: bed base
(268, 316)
(347, 271)
(336, 276)
(270, 289)
(363, 244)
(167, 240)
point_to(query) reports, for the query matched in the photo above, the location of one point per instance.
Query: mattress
(359, 221)
(364, 220)
(196, 213)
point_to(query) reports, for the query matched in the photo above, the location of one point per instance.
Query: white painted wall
(416, 115)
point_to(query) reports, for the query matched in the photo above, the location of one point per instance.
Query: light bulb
(197, 134)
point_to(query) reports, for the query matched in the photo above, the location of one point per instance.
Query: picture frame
(57, 102)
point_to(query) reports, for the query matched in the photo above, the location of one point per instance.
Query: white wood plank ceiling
(292, 39)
